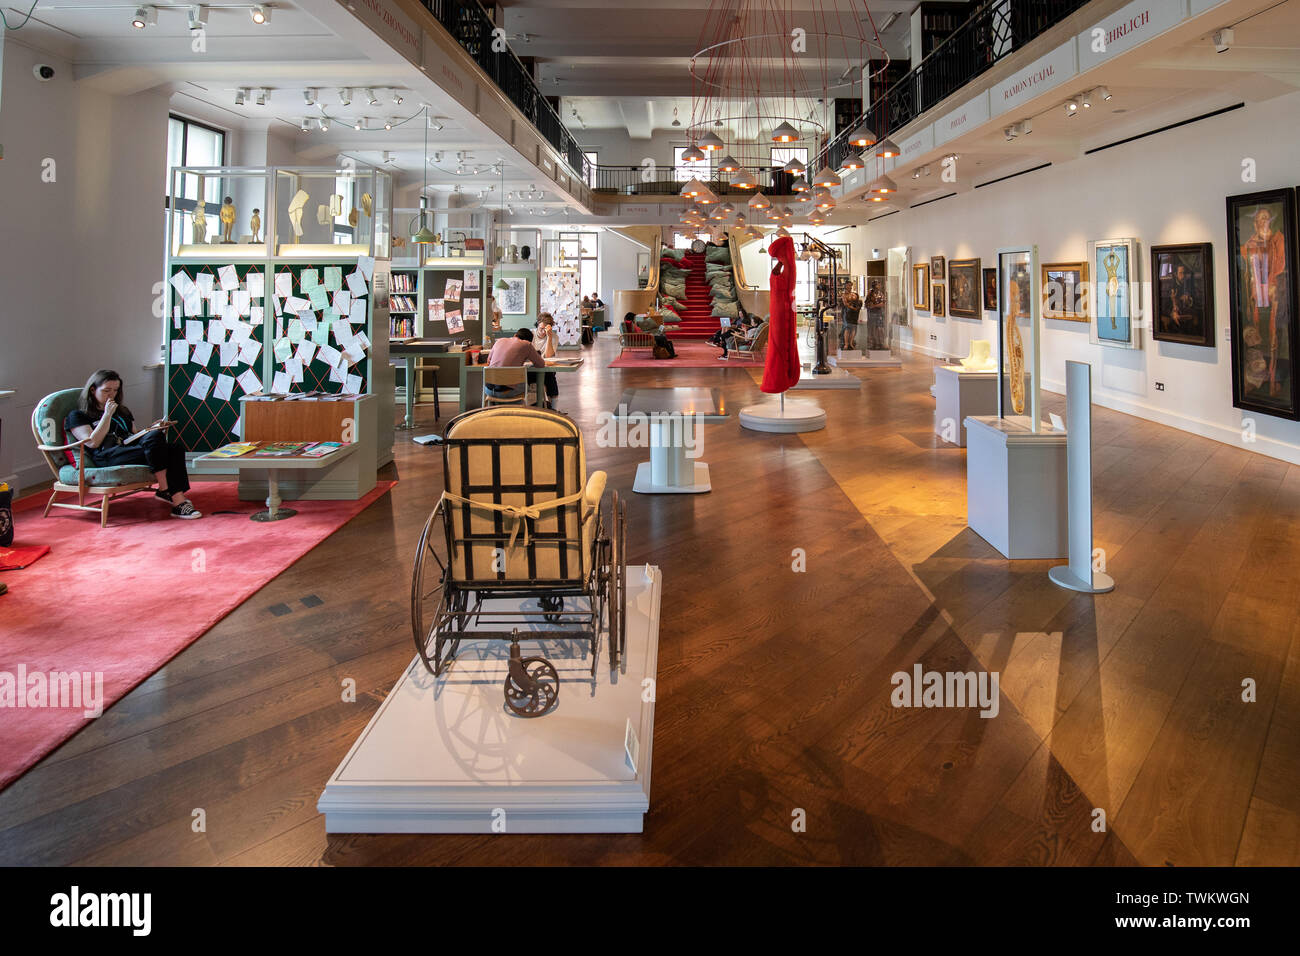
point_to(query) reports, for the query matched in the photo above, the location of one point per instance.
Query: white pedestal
(872, 358)
(1016, 487)
(837, 378)
(443, 755)
(960, 394)
(794, 415)
(688, 478)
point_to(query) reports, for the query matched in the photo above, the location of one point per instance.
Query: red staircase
(697, 319)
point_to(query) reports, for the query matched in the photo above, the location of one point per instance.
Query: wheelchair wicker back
(522, 521)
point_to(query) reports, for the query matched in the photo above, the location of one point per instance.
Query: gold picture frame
(921, 287)
(1065, 290)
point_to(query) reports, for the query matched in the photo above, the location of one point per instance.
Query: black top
(119, 431)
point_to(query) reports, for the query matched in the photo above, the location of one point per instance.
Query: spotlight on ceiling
(324, 124)
(1102, 91)
(435, 123)
(1010, 133)
(306, 124)
(263, 95)
(397, 98)
(1223, 40)
(371, 99)
(388, 123)
(1071, 107)
(261, 13)
(309, 97)
(345, 97)
(198, 18)
(1086, 100)
(240, 96)
(359, 124)
(144, 17)
(1026, 126)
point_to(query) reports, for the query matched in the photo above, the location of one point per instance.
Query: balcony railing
(471, 27)
(668, 181)
(995, 30)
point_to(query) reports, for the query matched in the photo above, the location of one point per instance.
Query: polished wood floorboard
(774, 685)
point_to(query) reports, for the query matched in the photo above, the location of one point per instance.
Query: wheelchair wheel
(551, 608)
(541, 693)
(429, 596)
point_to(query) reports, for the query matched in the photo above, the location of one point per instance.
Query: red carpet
(690, 354)
(125, 600)
(697, 320)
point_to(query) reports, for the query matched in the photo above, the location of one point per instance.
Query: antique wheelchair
(521, 522)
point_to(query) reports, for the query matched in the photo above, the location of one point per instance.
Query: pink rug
(689, 355)
(125, 600)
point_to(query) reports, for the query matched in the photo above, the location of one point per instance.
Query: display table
(961, 393)
(872, 358)
(673, 415)
(410, 350)
(472, 380)
(835, 378)
(443, 755)
(1016, 486)
(271, 468)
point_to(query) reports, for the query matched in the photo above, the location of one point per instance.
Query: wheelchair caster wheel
(532, 685)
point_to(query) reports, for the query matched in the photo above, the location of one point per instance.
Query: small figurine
(353, 217)
(514, 253)
(367, 204)
(200, 224)
(296, 206)
(227, 220)
(255, 225)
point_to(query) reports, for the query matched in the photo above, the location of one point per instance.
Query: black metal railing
(996, 29)
(668, 181)
(471, 27)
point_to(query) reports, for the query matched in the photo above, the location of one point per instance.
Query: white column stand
(1079, 574)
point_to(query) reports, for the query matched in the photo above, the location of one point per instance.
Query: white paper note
(353, 384)
(342, 332)
(199, 388)
(242, 301)
(249, 382)
(256, 284)
(280, 384)
(216, 333)
(338, 375)
(229, 354)
(329, 355)
(358, 314)
(354, 353)
(181, 282)
(342, 302)
(249, 351)
(294, 368)
(367, 265)
(283, 284)
(229, 278)
(295, 304)
(306, 352)
(225, 388)
(180, 352)
(202, 353)
(205, 283)
(241, 333)
(193, 331)
(193, 303)
(357, 283)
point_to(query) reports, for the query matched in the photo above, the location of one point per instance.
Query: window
(592, 157)
(581, 251)
(683, 241)
(193, 144)
(783, 154)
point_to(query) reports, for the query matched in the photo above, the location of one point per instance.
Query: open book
(140, 434)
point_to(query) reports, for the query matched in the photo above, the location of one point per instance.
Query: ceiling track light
(144, 17)
(1101, 91)
(371, 99)
(1026, 126)
(309, 97)
(359, 124)
(1223, 40)
(240, 96)
(1086, 100)
(306, 124)
(345, 97)
(388, 123)
(1011, 132)
(324, 124)
(263, 95)
(198, 18)
(260, 14)
(1071, 107)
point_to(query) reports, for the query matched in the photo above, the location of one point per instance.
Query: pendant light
(795, 168)
(785, 133)
(882, 185)
(693, 188)
(728, 164)
(862, 136)
(424, 235)
(743, 180)
(800, 185)
(827, 178)
(758, 201)
(710, 143)
(726, 209)
(888, 149)
(707, 198)
(804, 196)
(783, 232)
(853, 161)
(694, 155)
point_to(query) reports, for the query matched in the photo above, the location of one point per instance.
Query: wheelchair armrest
(594, 491)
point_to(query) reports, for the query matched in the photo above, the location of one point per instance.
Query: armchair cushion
(47, 428)
(109, 477)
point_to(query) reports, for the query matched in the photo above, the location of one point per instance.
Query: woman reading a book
(111, 437)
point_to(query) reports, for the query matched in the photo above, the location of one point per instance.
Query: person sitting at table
(596, 303)
(512, 353)
(105, 424)
(547, 342)
(586, 302)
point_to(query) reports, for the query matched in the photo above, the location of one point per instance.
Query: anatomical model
(296, 206)
(227, 220)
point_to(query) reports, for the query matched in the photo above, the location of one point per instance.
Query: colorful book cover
(280, 449)
(321, 449)
(233, 450)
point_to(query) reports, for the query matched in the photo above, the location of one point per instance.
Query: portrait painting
(1182, 293)
(936, 299)
(964, 288)
(990, 290)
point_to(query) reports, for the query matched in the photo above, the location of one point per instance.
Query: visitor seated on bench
(744, 330)
(513, 353)
(631, 323)
(105, 425)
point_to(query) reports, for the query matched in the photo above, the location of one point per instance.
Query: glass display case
(517, 248)
(344, 211)
(218, 212)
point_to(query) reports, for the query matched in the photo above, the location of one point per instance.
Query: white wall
(1166, 188)
(80, 256)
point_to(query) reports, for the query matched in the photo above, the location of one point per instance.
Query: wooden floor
(774, 684)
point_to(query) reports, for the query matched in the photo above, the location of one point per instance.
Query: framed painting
(514, 297)
(1065, 290)
(1182, 293)
(921, 287)
(1114, 266)
(1262, 301)
(936, 299)
(964, 288)
(936, 268)
(990, 290)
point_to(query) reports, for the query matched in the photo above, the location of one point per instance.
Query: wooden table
(410, 350)
(472, 381)
(272, 467)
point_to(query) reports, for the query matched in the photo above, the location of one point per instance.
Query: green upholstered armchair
(82, 479)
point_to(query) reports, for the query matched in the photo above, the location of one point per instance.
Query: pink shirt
(512, 352)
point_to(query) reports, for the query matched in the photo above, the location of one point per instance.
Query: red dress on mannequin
(782, 369)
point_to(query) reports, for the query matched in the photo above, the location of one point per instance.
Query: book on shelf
(233, 450)
(321, 448)
(263, 397)
(280, 449)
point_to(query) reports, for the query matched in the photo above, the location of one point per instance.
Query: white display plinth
(792, 415)
(872, 358)
(670, 472)
(1016, 487)
(959, 394)
(443, 755)
(837, 378)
